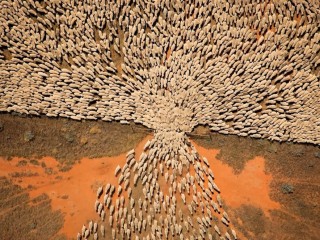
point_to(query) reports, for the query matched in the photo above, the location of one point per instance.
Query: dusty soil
(72, 193)
(22, 217)
(270, 190)
(63, 160)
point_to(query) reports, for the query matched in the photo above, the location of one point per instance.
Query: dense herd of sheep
(249, 68)
(243, 67)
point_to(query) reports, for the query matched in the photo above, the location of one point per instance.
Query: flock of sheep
(249, 68)
(163, 195)
(243, 67)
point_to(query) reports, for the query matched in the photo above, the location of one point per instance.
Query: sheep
(96, 205)
(95, 236)
(132, 202)
(117, 171)
(225, 215)
(234, 234)
(161, 168)
(87, 234)
(219, 200)
(83, 230)
(145, 206)
(195, 199)
(181, 215)
(227, 235)
(187, 188)
(224, 221)
(95, 227)
(119, 190)
(190, 209)
(91, 227)
(102, 215)
(120, 180)
(113, 233)
(183, 197)
(202, 206)
(166, 176)
(112, 190)
(144, 224)
(129, 191)
(217, 230)
(206, 162)
(108, 202)
(135, 179)
(105, 199)
(102, 230)
(100, 208)
(111, 210)
(131, 152)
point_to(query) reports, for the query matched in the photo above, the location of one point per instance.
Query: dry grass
(66, 140)
(236, 151)
(24, 218)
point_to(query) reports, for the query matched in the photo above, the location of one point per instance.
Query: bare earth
(270, 190)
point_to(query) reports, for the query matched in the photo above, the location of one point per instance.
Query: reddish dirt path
(79, 185)
(251, 186)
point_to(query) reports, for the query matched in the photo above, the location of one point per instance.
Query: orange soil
(79, 184)
(168, 54)
(297, 18)
(251, 186)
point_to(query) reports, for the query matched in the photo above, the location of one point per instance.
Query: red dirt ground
(251, 186)
(249, 194)
(73, 192)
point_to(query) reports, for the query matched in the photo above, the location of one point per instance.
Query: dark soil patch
(66, 140)
(7, 54)
(296, 185)
(22, 218)
(236, 151)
